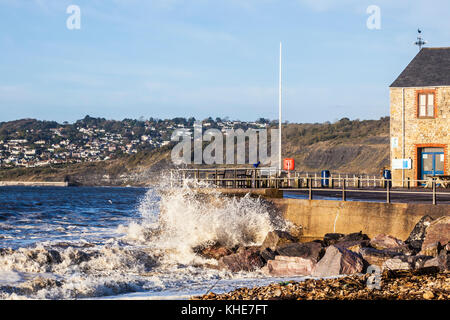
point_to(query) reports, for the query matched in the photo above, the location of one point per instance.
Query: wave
(151, 253)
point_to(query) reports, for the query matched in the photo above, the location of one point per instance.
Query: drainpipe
(403, 134)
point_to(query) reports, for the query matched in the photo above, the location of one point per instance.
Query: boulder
(338, 261)
(417, 235)
(354, 246)
(213, 252)
(356, 236)
(337, 238)
(437, 234)
(245, 259)
(289, 266)
(377, 257)
(442, 261)
(332, 238)
(383, 241)
(306, 250)
(277, 238)
(397, 264)
(267, 254)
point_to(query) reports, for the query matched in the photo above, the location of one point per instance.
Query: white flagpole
(279, 117)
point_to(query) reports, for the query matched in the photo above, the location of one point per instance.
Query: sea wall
(318, 217)
(35, 183)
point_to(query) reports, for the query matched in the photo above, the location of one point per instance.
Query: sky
(201, 58)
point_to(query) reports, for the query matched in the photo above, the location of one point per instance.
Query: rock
(213, 252)
(417, 235)
(267, 254)
(418, 262)
(434, 262)
(437, 232)
(442, 261)
(383, 241)
(432, 249)
(377, 257)
(296, 231)
(245, 259)
(332, 238)
(276, 238)
(339, 238)
(428, 295)
(307, 250)
(396, 264)
(290, 266)
(354, 246)
(356, 236)
(338, 261)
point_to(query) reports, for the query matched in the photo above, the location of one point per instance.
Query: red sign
(288, 164)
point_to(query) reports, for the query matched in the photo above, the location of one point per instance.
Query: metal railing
(310, 182)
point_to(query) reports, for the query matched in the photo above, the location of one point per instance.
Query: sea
(124, 243)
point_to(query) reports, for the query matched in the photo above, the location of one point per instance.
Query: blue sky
(168, 58)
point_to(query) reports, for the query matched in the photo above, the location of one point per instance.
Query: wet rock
(308, 250)
(213, 252)
(290, 266)
(277, 238)
(338, 261)
(437, 232)
(417, 235)
(339, 238)
(267, 254)
(245, 259)
(356, 236)
(377, 257)
(332, 238)
(296, 231)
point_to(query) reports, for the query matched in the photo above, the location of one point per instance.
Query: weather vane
(420, 42)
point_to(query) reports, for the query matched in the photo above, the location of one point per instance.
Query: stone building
(420, 118)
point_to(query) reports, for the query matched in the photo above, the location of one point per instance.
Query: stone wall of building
(419, 132)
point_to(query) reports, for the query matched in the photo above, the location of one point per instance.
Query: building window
(425, 104)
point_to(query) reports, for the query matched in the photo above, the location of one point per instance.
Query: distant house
(420, 117)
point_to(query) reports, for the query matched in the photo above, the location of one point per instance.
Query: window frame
(426, 93)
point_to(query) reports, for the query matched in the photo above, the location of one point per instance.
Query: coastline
(34, 183)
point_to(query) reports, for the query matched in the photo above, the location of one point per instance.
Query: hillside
(346, 146)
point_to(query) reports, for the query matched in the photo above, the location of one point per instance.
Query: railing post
(310, 189)
(388, 191)
(344, 198)
(409, 183)
(234, 178)
(434, 191)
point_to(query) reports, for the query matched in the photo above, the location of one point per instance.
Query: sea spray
(189, 219)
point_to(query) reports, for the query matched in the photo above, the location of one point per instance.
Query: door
(432, 160)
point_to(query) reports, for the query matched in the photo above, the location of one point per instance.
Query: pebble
(400, 286)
